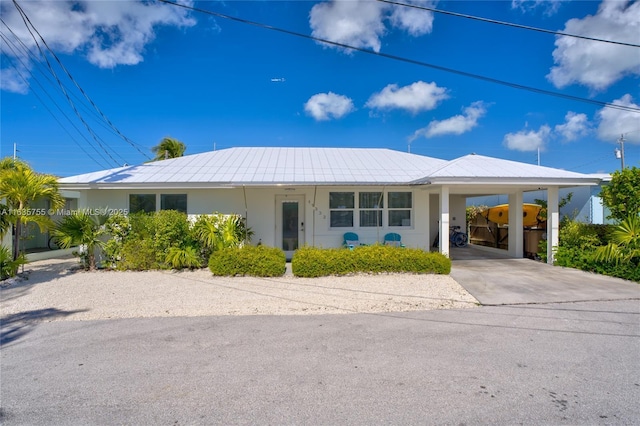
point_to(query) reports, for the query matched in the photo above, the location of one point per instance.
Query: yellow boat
(500, 214)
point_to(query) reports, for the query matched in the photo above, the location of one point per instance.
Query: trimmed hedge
(316, 262)
(260, 261)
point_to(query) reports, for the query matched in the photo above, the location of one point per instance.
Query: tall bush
(622, 194)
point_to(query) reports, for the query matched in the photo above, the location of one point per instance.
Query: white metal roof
(481, 169)
(270, 166)
(321, 166)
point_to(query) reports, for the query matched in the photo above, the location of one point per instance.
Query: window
(341, 206)
(142, 203)
(173, 202)
(370, 204)
(400, 205)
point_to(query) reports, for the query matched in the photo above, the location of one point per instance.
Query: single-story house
(296, 196)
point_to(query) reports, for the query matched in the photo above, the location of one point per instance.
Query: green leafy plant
(118, 227)
(20, 186)
(622, 194)
(180, 258)
(171, 230)
(9, 266)
(316, 262)
(82, 229)
(138, 255)
(625, 243)
(258, 261)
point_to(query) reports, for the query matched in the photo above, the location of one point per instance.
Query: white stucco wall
(261, 206)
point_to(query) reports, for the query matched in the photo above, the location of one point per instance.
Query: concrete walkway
(495, 279)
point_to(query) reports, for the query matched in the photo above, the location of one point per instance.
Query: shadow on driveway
(15, 326)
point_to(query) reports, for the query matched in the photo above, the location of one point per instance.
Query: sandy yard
(58, 288)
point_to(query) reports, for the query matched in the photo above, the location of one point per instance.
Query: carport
(477, 175)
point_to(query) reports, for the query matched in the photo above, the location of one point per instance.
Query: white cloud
(455, 125)
(414, 21)
(614, 122)
(595, 64)
(575, 126)
(361, 23)
(549, 7)
(527, 140)
(110, 33)
(324, 106)
(416, 97)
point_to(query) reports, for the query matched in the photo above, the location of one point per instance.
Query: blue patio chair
(351, 240)
(393, 239)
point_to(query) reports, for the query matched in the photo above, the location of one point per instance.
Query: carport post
(553, 222)
(516, 225)
(443, 231)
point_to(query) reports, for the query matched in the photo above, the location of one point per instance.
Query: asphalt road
(564, 363)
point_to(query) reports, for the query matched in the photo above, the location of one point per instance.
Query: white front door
(289, 223)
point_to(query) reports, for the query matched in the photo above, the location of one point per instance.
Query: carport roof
(319, 166)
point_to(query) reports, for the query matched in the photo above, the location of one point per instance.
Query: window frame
(186, 202)
(340, 210)
(155, 203)
(391, 210)
(385, 210)
(377, 209)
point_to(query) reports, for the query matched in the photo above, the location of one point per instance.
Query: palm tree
(20, 186)
(168, 148)
(84, 229)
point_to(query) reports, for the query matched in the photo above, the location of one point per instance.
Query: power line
(27, 24)
(9, 43)
(508, 24)
(104, 117)
(408, 60)
(27, 52)
(12, 45)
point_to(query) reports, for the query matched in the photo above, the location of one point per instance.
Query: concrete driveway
(495, 279)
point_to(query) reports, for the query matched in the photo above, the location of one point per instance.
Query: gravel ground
(59, 289)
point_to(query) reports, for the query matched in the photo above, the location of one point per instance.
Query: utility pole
(620, 152)
(15, 149)
(538, 156)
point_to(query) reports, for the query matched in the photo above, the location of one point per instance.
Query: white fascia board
(211, 185)
(515, 182)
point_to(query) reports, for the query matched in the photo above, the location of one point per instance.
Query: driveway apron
(498, 280)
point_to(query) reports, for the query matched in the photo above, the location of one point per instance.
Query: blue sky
(157, 70)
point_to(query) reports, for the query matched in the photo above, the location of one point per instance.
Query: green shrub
(316, 262)
(8, 266)
(171, 230)
(138, 255)
(118, 228)
(179, 258)
(260, 261)
(578, 246)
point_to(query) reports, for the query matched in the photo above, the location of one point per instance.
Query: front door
(289, 223)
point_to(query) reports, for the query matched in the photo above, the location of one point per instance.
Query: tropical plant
(186, 257)
(622, 194)
(20, 186)
(563, 201)
(5, 220)
(168, 148)
(218, 231)
(625, 242)
(81, 228)
(118, 227)
(9, 266)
